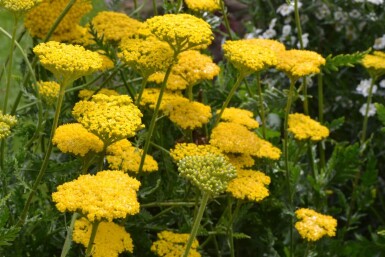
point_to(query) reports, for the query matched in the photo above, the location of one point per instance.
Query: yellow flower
(150, 96)
(375, 63)
(235, 138)
(87, 93)
(110, 240)
(107, 63)
(67, 62)
(123, 156)
(312, 225)
(40, 19)
(181, 31)
(247, 56)
(299, 63)
(203, 5)
(304, 128)
(171, 244)
(49, 91)
(108, 195)
(113, 26)
(273, 45)
(240, 116)
(74, 138)
(249, 184)
(240, 161)
(174, 82)
(182, 150)
(111, 118)
(18, 6)
(6, 123)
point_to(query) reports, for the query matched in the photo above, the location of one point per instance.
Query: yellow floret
(150, 97)
(240, 161)
(171, 244)
(240, 116)
(182, 150)
(203, 5)
(6, 123)
(86, 94)
(174, 82)
(49, 91)
(305, 128)
(375, 63)
(18, 6)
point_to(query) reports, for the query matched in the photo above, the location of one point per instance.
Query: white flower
(322, 12)
(272, 23)
(377, 2)
(371, 111)
(363, 87)
(270, 33)
(305, 40)
(382, 83)
(379, 43)
(286, 9)
(355, 14)
(286, 30)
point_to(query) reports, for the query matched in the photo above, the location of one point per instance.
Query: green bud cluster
(6, 123)
(210, 173)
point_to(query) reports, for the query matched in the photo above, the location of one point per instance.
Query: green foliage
(334, 63)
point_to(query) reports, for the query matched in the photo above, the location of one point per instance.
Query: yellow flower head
(234, 138)
(113, 26)
(40, 19)
(304, 128)
(299, 63)
(173, 244)
(107, 63)
(86, 94)
(6, 123)
(67, 62)
(108, 195)
(181, 31)
(48, 91)
(110, 240)
(312, 225)
(182, 150)
(146, 56)
(375, 63)
(150, 97)
(174, 82)
(240, 116)
(247, 56)
(18, 6)
(74, 138)
(123, 156)
(203, 5)
(249, 184)
(240, 161)
(273, 45)
(111, 118)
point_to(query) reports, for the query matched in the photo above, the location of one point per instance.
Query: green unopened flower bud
(211, 173)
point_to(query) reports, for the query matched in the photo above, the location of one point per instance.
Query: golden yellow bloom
(247, 56)
(375, 63)
(6, 123)
(110, 240)
(240, 161)
(299, 63)
(146, 56)
(18, 6)
(203, 5)
(304, 128)
(87, 93)
(123, 155)
(67, 62)
(182, 150)
(249, 184)
(312, 225)
(273, 45)
(234, 138)
(74, 138)
(48, 91)
(239, 116)
(150, 97)
(108, 195)
(171, 244)
(107, 63)
(181, 31)
(111, 118)
(40, 19)
(174, 82)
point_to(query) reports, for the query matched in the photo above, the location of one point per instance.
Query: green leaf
(241, 236)
(380, 112)
(336, 123)
(7, 236)
(343, 60)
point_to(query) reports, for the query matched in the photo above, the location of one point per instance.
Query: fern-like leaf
(334, 63)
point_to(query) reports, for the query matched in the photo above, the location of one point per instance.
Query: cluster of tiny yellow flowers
(113, 26)
(298, 63)
(249, 184)
(123, 156)
(181, 31)
(85, 94)
(18, 6)
(108, 195)
(111, 118)
(239, 116)
(240, 161)
(248, 57)
(182, 150)
(74, 138)
(40, 19)
(107, 63)
(6, 123)
(375, 63)
(211, 173)
(273, 45)
(312, 225)
(203, 5)
(171, 244)
(48, 91)
(234, 138)
(67, 62)
(174, 82)
(110, 240)
(304, 128)
(150, 96)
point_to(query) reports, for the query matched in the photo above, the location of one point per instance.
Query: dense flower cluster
(86, 94)
(171, 244)
(111, 118)
(249, 184)
(6, 123)
(110, 240)
(273, 45)
(304, 128)
(18, 6)
(312, 225)
(74, 138)
(150, 97)
(240, 116)
(203, 5)
(174, 82)
(108, 195)
(182, 150)
(240, 161)
(375, 63)
(123, 155)
(48, 91)
(211, 173)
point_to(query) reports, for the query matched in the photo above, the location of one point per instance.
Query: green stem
(261, 105)
(141, 90)
(197, 221)
(67, 243)
(95, 226)
(311, 159)
(321, 120)
(366, 117)
(179, 6)
(154, 7)
(225, 18)
(190, 92)
(298, 23)
(160, 148)
(305, 97)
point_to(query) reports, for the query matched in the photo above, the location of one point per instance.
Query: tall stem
(261, 105)
(68, 240)
(197, 222)
(225, 18)
(95, 226)
(321, 119)
(142, 87)
(298, 23)
(368, 102)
